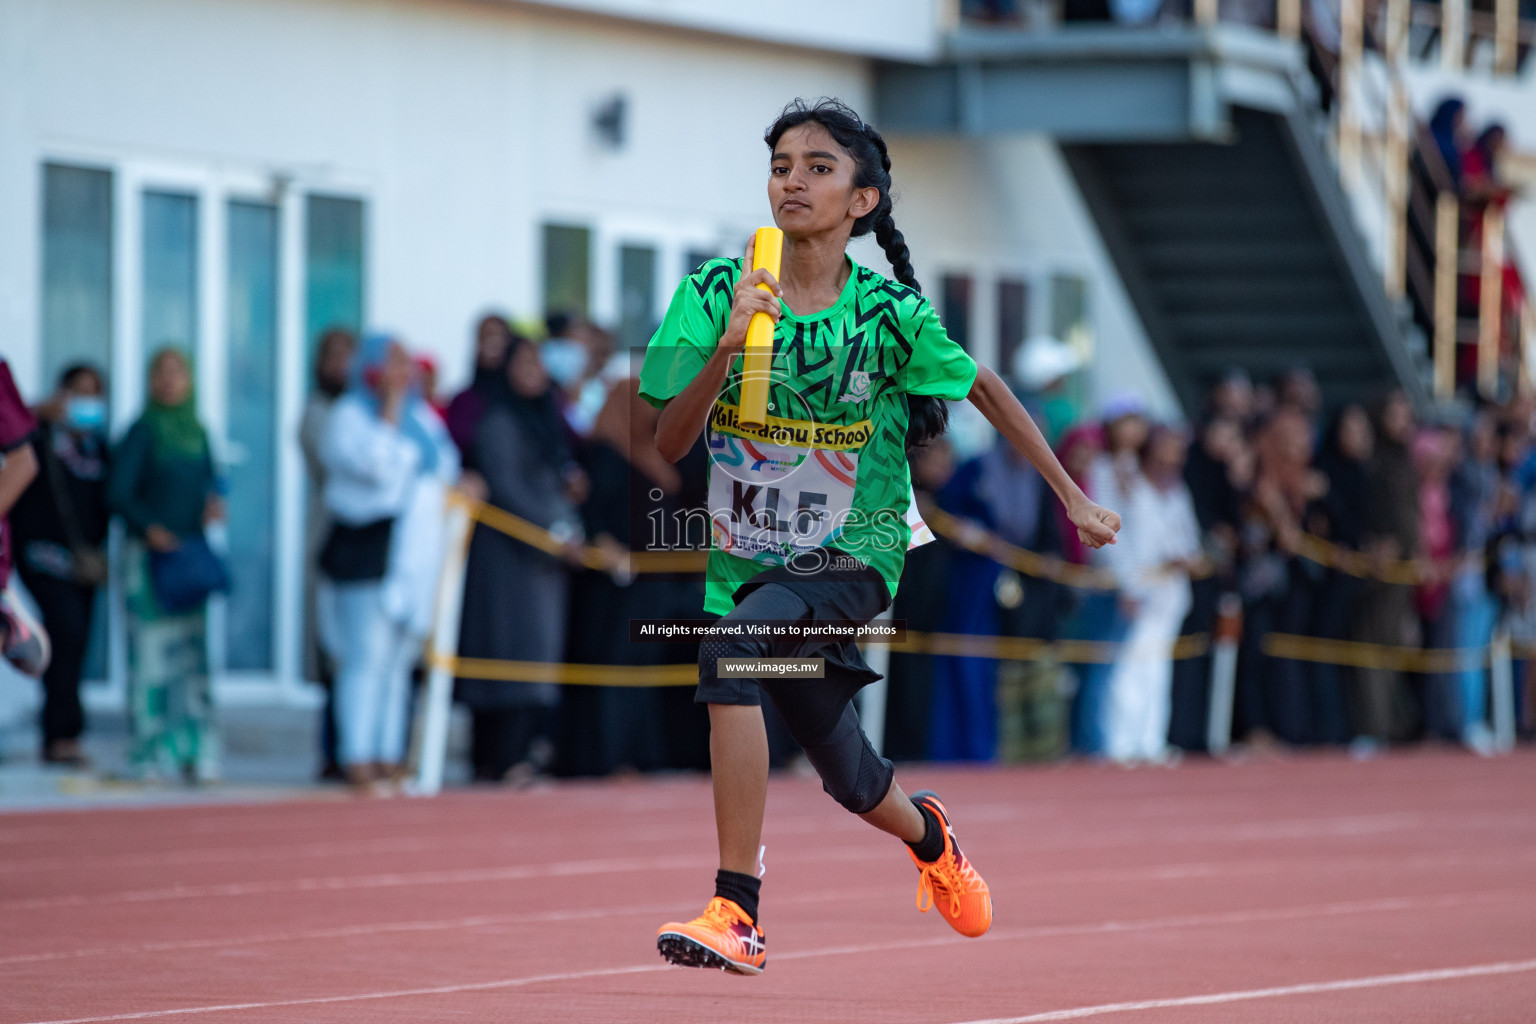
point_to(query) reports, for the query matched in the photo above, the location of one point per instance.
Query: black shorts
(841, 589)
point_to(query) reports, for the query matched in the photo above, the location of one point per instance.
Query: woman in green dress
(163, 485)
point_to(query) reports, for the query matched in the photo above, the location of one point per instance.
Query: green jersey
(829, 467)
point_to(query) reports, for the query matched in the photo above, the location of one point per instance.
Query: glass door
(168, 303)
(251, 392)
(240, 274)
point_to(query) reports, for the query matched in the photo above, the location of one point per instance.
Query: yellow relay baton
(757, 359)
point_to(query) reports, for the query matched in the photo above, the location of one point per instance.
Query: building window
(77, 269)
(695, 259)
(1070, 319)
(567, 268)
(252, 433)
(170, 273)
(333, 267)
(955, 308)
(637, 295)
(1012, 320)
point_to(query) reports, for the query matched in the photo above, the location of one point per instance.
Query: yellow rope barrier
(1350, 653)
(971, 537)
(1003, 648)
(1362, 566)
(567, 673)
(975, 538)
(961, 532)
(592, 557)
(1357, 654)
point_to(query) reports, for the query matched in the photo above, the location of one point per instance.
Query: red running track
(1310, 889)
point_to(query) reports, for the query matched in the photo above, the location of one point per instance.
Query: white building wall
(1009, 206)
(885, 28)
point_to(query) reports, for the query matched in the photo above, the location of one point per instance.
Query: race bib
(768, 502)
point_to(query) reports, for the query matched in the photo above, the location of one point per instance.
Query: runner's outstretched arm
(1096, 525)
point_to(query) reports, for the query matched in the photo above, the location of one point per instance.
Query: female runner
(809, 514)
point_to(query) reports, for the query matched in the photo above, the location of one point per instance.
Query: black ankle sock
(740, 889)
(931, 847)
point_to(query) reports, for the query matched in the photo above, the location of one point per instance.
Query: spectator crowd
(1364, 528)
(1365, 524)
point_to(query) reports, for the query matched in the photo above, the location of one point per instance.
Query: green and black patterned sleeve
(938, 366)
(687, 337)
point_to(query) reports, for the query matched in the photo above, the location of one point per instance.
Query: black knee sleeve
(828, 731)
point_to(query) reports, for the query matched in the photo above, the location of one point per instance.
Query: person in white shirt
(389, 461)
(1151, 563)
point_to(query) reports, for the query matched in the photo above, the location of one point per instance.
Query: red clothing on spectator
(16, 427)
(1476, 170)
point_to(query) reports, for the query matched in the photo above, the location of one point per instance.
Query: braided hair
(927, 417)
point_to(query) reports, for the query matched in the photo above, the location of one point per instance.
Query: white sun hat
(1042, 360)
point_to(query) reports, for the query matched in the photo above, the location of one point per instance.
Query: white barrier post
(437, 702)
(1501, 677)
(872, 697)
(1229, 630)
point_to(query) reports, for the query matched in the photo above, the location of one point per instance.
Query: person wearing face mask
(60, 531)
(564, 356)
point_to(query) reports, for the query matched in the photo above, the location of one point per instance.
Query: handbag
(357, 554)
(184, 577)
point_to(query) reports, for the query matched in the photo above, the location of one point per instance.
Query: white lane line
(494, 841)
(521, 872)
(341, 883)
(1311, 988)
(440, 990)
(247, 854)
(1345, 826)
(845, 895)
(1192, 920)
(388, 927)
(397, 879)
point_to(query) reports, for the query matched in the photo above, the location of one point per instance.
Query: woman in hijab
(1000, 491)
(1380, 709)
(1279, 589)
(1338, 517)
(1446, 125)
(515, 595)
(389, 461)
(1480, 167)
(1482, 186)
(633, 492)
(493, 335)
(162, 483)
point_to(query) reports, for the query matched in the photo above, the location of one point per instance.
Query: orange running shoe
(950, 882)
(723, 936)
